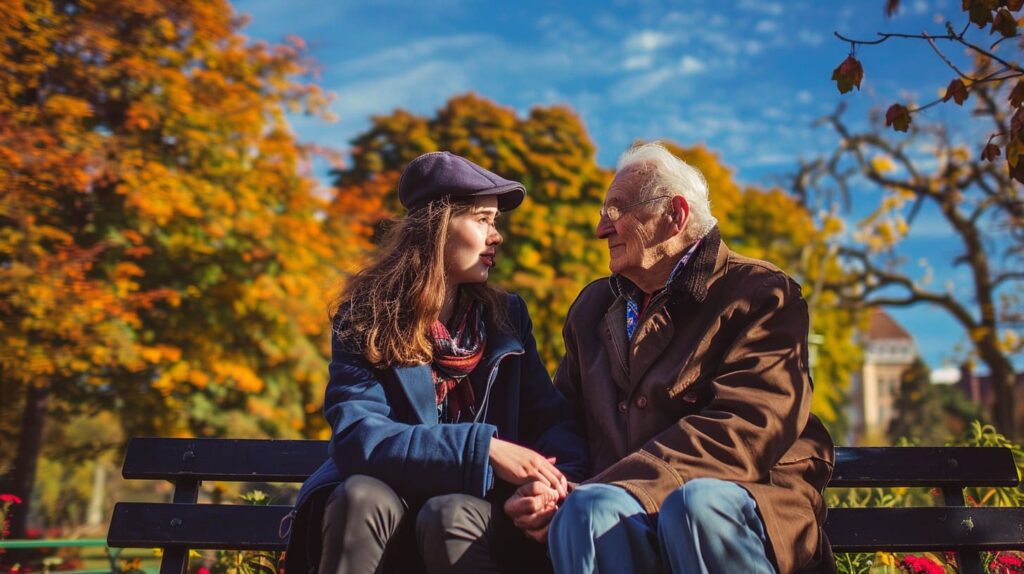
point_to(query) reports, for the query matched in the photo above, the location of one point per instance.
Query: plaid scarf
(456, 354)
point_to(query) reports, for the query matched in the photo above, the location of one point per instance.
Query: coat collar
(418, 382)
(695, 277)
(657, 329)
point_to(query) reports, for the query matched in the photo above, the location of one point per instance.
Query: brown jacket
(714, 383)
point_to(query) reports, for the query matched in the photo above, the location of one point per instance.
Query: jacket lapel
(655, 333)
(418, 385)
(651, 339)
(616, 342)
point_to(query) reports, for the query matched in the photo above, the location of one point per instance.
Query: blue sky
(747, 78)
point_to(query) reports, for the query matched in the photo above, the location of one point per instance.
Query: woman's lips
(488, 260)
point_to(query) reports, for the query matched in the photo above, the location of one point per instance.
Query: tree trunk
(1004, 382)
(94, 516)
(23, 476)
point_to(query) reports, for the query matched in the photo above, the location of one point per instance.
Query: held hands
(519, 465)
(532, 507)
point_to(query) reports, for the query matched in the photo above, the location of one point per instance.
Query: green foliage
(986, 435)
(853, 563)
(929, 414)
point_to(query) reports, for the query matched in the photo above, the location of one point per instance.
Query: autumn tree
(978, 202)
(974, 187)
(550, 252)
(161, 253)
(987, 32)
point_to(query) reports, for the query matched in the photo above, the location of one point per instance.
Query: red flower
(1006, 563)
(10, 498)
(202, 570)
(920, 565)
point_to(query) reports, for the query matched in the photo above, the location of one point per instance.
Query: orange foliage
(154, 232)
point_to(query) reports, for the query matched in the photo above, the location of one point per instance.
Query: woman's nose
(495, 237)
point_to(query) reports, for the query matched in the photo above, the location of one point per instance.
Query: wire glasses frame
(613, 213)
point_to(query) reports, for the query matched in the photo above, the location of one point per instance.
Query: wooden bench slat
(211, 526)
(923, 466)
(223, 459)
(925, 529)
(199, 526)
(293, 461)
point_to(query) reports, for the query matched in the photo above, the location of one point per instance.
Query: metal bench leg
(967, 562)
(175, 560)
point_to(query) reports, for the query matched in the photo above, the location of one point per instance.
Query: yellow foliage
(883, 164)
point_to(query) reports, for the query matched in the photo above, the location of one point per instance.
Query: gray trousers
(367, 528)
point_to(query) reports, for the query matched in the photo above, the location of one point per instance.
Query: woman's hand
(531, 509)
(519, 465)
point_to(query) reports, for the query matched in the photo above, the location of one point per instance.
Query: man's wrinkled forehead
(625, 187)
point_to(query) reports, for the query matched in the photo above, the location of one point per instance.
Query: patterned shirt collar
(633, 294)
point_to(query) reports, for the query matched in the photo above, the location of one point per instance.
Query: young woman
(438, 402)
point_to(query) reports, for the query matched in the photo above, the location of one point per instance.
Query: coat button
(623, 406)
(641, 402)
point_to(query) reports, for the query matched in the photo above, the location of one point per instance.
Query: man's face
(635, 240)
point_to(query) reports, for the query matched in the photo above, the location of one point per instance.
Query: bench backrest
(183, 524)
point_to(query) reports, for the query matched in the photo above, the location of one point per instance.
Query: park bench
(184, 524)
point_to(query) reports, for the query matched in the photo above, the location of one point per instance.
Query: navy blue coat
(384, 424)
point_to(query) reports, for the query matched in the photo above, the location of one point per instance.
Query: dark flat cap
(438, 174)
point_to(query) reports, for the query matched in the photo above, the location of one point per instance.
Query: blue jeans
(706, 526)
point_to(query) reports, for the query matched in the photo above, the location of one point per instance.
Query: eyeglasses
(613, 213)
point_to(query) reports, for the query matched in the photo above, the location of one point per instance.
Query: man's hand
(519, 465)
(532, 507)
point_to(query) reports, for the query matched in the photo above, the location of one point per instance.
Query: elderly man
(689, 367)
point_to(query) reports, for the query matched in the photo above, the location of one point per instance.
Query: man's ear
(680, 214)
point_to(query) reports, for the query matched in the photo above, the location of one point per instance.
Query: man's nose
(605, 227)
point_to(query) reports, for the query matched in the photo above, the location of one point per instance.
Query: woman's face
(472, 243)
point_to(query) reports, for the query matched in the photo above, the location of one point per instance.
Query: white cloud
(636, 87)
(804, 97)
(919, 7)
(753, 47)
(759, 6)
(427, 84)
(648, 41)
(766, 27)
(412, 53)
(766, 159)
(690, 65)
(640, 62)
(809, 37)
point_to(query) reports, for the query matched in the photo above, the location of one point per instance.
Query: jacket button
(641, 402)
(623, 406)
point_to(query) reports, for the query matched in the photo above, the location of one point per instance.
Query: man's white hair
(662, 173)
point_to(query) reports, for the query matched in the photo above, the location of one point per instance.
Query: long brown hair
(387, 308)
